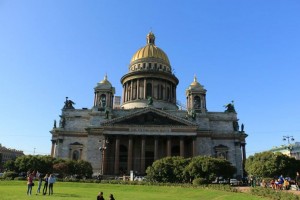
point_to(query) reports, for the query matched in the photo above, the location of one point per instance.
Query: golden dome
(104, 81)
(195, 84)
(150, 51)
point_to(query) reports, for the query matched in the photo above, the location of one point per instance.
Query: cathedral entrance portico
(137, 152)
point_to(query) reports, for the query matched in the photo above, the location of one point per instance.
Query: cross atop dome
(151, 38)
(195, 78)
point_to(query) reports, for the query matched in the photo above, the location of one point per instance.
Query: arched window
(197, 102)
(149, 90)
(221, 151)
(102, 101)
(75, 155)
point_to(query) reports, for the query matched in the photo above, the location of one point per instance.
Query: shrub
(9, 175)
(273, 194)
(199, 181)
(19, 178)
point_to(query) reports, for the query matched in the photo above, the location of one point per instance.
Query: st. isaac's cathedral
(147, 124)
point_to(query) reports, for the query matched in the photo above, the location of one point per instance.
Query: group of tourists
(100, 196)
(282, 183)
(48, 179)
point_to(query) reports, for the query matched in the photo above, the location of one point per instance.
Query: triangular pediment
(149, 116)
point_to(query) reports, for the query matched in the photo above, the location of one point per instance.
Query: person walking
(29, 183)
(45, 184)
(51, 181)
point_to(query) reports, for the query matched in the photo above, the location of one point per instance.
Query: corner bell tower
(104, 94)
(196, 97)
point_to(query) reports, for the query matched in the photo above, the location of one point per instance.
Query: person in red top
(29, 183)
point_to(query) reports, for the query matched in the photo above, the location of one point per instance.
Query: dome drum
(154, 75)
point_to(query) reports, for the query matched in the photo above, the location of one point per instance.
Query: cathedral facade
(148, 124)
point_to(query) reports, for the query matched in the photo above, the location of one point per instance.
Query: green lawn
(12, 190)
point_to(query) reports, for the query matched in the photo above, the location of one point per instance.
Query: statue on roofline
(191, 113)
(150, 101)
(230, 107)
(242, 127)
(68, 104)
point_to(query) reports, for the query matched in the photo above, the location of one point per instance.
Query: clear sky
(247, 51)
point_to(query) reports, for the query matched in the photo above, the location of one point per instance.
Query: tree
(71, 167)
(269, 164)
(169, 169)
(9, 165)
(61, 168)
(1, 157)
(84, 168)
(47, 164)
(209, 168)
(42, 164)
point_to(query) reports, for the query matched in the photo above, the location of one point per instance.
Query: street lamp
(102, 150)
(287, 138)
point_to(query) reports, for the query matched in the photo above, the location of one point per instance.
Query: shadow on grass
(67, 195)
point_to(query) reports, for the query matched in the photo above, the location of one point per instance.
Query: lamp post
(102, 149)
(288, 138)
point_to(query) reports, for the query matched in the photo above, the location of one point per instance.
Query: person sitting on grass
(279, 183)
(286, 184)
(100, 196)
(111, 197)
(273, 185)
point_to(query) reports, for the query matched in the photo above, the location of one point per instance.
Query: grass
(12, 190)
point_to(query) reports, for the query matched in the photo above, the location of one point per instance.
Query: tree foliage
(269, 164)
(43, 164)
(169, 169)
(9, 165)
(209, 168)
(178, 169)
(47, 164)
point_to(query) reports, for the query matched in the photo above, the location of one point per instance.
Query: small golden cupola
(196, 96)
(104, 94)
(150, 76)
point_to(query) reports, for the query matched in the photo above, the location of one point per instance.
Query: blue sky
(247, 51)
